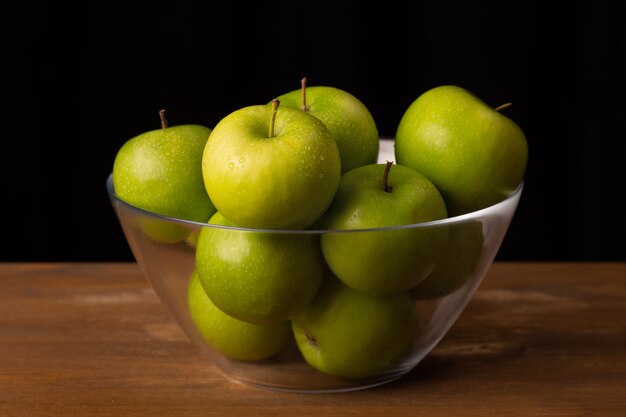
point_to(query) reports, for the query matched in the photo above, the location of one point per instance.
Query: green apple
(161, 230)
(386, 261)
(258, 277)
(465, 247)
(271, 168)
(233, 338)
(352, 335)
(348, 119)
(160, 171)
(192, 238)
(473, 153)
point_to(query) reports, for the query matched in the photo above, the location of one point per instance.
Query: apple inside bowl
(280, 317)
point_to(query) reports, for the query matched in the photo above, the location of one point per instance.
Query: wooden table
(92, 339)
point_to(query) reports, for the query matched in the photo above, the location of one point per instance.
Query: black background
(79, 80)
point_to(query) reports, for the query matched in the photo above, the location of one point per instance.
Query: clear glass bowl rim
(475, 215)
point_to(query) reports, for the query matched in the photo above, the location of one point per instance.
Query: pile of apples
(307, 160)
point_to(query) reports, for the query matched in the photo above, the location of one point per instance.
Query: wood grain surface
(92, 339)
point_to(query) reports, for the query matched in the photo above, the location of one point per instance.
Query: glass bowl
(366, 353)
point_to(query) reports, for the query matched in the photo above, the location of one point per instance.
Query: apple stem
(503, 106)
(303, 84)
(275, 104)
(163, 119)
(386, 177)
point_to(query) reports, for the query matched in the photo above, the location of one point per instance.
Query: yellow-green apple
(270, 167)
(233, 338)
(459, 261)
(160, 171)
(395, 258)
(348, 119)
(258, 277)
(352, 335)
(474, 154)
